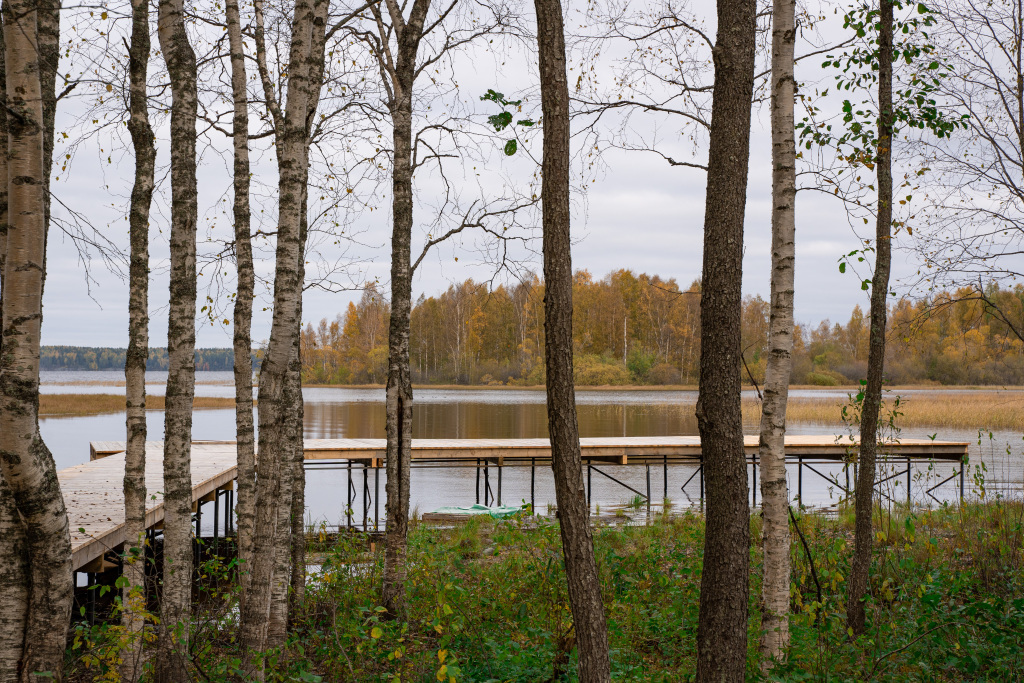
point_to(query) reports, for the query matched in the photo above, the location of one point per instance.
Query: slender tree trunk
(277, 628)
(13, 551)
(275, 401)
(26, 464)
(298, 512)
(398, 402)
(133, 596)
(243, 298)
(14, 587)
(724, 588)
(573, 511)
(172, 657)
(772, 451)
(864, 497)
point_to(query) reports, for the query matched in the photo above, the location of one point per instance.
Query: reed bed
(64, 405)
(951, 409)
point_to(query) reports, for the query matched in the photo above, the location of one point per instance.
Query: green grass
(487, 601)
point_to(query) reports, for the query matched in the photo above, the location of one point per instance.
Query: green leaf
(510, 148)
(842, 267)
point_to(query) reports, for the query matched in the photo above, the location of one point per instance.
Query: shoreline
(974, 409)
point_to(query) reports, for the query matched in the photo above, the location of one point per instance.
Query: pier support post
(376, 497)
(533, 479)
(499, 484)
(909, 498)
(590, 487)
(963, 466)
(478, 481)
(216, 521)
(665, 482)
(648, 468)
(753, 484)
(487, 483)
(800, 480)
(348, 497)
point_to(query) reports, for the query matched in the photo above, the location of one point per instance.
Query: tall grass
(953, 409)
(64, 405)
(487, 602)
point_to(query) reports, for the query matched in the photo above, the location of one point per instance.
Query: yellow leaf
(109, 87)
(441, 654)
(376, 632)
(442, 673)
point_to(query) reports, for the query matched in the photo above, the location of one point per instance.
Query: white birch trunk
(134, 594)
(275, 404)
(772, 455)
(172, 657)
(243, 299)
(26, 464)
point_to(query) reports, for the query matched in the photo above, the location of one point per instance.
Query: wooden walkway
(94, 495)
(95, 502)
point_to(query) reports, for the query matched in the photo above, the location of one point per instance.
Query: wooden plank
(93, 494)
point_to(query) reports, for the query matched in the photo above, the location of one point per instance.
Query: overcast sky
(639, 213)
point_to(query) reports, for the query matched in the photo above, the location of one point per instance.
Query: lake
(515, 413)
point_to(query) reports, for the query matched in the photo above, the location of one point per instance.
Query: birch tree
(724, 586)
(27, 467)
(242, 337)
(276, 433)
(172, 656)
(134, 593)
(573, 510)
(772, 449)
(13, 552)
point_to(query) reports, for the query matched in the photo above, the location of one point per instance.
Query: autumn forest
(632, 329)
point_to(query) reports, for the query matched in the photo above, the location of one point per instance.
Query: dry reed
(952, 409)
(94, 404)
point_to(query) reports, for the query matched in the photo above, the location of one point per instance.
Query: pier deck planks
(95, 500)
(94, 494)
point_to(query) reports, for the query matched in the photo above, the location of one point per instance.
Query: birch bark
(772, 452)
(172, 656)
(275, 400)
(724, 587)
(13, 552)
(398, 401)
(581, 574)
(26, 464)
(242, 341)
(865, 489)
(134, 594)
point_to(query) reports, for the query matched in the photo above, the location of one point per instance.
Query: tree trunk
(298, 511)
(243, 298)
(399, 383)
(573, 511)
(13, 551)
(724, 588)
(133, 597)
(864, 496)
(275, 401)
(172, 657)
(26, 464)
(772, 451)
(14, 590)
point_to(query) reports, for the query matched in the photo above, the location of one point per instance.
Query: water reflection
(472, 419)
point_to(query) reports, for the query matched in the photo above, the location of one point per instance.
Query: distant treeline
(101, 358)
(641, 329)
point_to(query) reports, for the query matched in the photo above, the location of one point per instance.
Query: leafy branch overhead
(503, 119)
(914, 104)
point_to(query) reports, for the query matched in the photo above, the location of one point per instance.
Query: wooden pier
(95, 502)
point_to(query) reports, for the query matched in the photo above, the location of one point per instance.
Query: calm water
(469, 413)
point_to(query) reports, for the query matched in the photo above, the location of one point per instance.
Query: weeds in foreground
(487, 602)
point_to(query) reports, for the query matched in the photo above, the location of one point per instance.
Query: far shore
(967, 408)
(668, 387)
